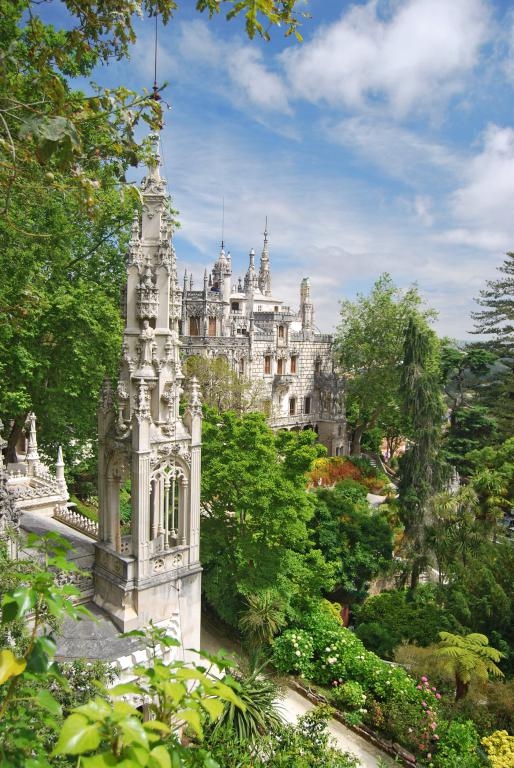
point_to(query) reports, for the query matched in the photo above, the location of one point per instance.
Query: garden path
(293, 705)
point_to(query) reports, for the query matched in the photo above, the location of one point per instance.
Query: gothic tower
(151, 569)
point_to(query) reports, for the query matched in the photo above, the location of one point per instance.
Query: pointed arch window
(168, 495)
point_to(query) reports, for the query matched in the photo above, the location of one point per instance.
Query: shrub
(457, 746)
(348, 696)
(500, 749)
(293, 652)
(329, 470)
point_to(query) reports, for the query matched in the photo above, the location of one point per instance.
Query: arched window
(168, 492)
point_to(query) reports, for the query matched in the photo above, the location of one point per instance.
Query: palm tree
(263, 618)
(467, 657)
(260, 696)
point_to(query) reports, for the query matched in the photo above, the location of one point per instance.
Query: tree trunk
(356, 441)
(14, 435)
(461, 688)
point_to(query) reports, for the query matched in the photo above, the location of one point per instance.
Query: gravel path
(293, 704)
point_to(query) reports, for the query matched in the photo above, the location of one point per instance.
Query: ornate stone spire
(264, 271)
(251, 280)
(142, 436)
(306, 307)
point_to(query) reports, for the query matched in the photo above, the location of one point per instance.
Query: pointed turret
(264, 271)
(251, 280)
(306, 307)
(143, 438)
(32, 455)
(59, 474)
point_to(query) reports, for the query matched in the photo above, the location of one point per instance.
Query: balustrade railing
(76, 520)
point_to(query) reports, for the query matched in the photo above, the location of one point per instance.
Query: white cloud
(482, 207)
(412, 60)
(401, 153)
(422, 205)
(262, 88)
(250, 82)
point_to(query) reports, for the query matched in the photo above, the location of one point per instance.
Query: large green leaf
(78, 735)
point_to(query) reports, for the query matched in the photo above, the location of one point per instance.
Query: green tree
(223, 388)
(256, 509)
(369, 348)
(466, 658)
(60, 302)
(496, 319)
(422, 470)
(451, 531)
(356, 538)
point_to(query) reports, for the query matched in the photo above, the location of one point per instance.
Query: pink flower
(438, 695)
(433, 726)
(423, 704)
(419, 687)
(424, 679)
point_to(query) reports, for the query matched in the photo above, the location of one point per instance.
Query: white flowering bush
(348, 696)
(293, 652)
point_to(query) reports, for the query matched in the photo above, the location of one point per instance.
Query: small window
(259, 308)
(307, 407)
(267, 364)
(292, 406)
(212, 326)
(276, 309)
(317, 367)
(281, 366)
(194, 326)
(294, 361)
(280, 331)
(235, 306)
(241, 366)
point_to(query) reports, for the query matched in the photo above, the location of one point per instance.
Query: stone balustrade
(76, 520)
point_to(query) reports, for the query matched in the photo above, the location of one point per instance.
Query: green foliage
(262, 618)
(356, 538)
(259, 694)
(348, 696)
(30, 712)
(293, 652)
(106, 729)
(257, 510)
(306, 745)
(369, 345)
(467, 657)
(457, 747)
(497, 316)
(422, 468)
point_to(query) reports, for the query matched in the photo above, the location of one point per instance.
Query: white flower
(298, 653)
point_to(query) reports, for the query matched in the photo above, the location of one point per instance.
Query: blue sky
(383, 142)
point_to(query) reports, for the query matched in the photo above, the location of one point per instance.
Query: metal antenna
(156, 95)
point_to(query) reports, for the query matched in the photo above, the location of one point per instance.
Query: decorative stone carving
(147, 296)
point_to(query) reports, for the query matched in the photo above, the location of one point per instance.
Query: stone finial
(32, 456)
(59, 473)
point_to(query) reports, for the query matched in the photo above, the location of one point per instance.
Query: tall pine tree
(422, 471)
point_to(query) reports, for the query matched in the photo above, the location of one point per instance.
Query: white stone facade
(263, 340)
